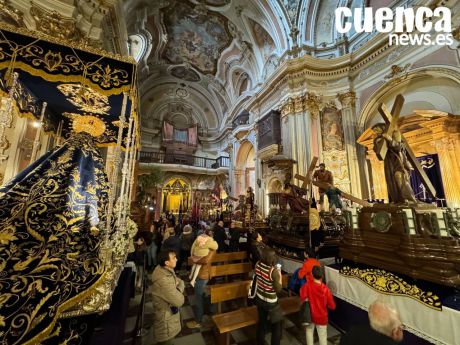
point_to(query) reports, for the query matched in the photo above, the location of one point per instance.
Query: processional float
(63, 220)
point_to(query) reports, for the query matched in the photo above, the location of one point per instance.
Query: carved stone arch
(171, 176)
(408, 83)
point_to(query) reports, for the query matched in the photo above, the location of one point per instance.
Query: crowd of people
(170, 242)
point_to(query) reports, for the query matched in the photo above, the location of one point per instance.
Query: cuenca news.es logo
(406, 26)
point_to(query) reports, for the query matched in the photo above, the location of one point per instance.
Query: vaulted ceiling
(200, 60)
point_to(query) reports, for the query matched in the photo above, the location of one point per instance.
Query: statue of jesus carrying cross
(391, 147)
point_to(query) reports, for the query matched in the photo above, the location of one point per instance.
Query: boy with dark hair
(320, 298)
(310, 262)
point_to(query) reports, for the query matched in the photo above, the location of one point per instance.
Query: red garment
(307, 268)
(320, 298)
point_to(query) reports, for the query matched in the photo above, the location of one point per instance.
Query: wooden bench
(234, 290)
(248, 316)
(230, 269)
(225, 257)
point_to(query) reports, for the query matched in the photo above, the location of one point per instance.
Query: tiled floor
(292, 335)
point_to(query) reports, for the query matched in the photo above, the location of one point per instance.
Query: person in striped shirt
(268, 278)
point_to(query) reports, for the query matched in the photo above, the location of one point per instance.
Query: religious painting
(331, 129)
(195, 35)
(263, 39)
(185, 73)
(325, 21)
(291, 9)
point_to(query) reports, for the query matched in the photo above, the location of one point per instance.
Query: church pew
(225, 257)
(231, 269)
(248, 316)
(234, 290)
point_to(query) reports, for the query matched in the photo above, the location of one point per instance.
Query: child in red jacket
(320, 298)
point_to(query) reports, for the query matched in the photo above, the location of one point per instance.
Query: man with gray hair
(385, 327)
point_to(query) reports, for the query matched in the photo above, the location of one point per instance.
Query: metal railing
(200, 162)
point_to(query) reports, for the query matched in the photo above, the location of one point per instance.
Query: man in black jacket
(385, 328)
(234, 238)
(220, 236)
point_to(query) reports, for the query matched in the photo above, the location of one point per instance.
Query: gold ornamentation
(456, 34)
(87, 123)
(313, 103)
(287, 107)
(54, 24)
(10, 14)
(85, 98)
(51, 259)
(76, 45)
(6, 118)
(397, 71)
(348, 99)
(390, 284)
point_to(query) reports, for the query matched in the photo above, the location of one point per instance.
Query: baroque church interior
(128, 128)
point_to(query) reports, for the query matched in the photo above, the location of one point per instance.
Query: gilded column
(450, 169)
(348, 101)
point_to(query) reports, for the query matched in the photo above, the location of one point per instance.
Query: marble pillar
(349, 122)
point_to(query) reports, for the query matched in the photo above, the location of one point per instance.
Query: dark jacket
(187, 241)
(220, 236)
(365, 335)
(172, 242)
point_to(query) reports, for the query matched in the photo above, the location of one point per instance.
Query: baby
(200, 249)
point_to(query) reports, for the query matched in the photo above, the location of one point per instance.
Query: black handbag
(305, 313)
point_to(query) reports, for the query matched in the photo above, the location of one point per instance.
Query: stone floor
(292, 335)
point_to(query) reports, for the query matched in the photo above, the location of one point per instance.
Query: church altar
(439, 326)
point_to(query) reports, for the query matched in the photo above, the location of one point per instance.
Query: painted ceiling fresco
(263, 39)
(195, 36)
(185, 73)
(291, 7)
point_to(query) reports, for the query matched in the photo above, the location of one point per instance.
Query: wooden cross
(350, 197)
(382, 148)
(307, 180)
(389, 120)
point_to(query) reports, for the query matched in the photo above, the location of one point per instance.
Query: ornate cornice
(307, 68)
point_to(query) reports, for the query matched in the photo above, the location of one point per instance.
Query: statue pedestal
(410, 239)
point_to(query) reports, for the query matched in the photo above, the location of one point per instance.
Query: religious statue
(250, 198)
(397, 167)
(325, 176)
(294, 196)
(334, 196)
